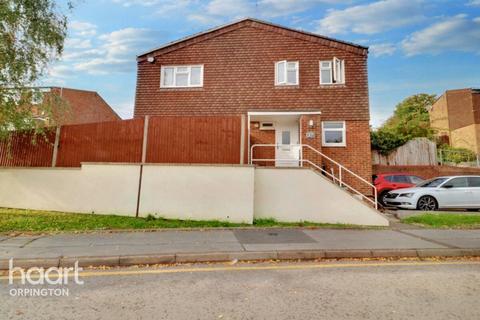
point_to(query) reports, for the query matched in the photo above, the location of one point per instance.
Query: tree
(32, 34)
(410, 120)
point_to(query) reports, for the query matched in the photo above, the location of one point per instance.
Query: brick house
(290, 87)
(456, 118)
(74, 106)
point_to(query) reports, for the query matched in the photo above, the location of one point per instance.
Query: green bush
(385, 141)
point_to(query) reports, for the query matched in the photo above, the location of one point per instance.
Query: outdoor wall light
(151, 59)
(310, 123)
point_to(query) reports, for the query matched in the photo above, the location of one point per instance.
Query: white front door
(287, 150)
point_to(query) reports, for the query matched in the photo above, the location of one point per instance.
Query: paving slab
(368, 239)
(30, 253)
(455, 238)
(19, 241)
(277, 236)
(5, 254)
(136, 238)
(282, 246)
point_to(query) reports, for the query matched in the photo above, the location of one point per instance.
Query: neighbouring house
(290, 87)
(74, 106)
(456, 118)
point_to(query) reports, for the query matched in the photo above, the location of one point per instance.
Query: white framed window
(334, 134)
(181, 76)
(286, 73)
(332, 71)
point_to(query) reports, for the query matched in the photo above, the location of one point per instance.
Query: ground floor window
(334, 134)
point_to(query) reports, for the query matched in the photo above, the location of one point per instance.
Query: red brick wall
(476, 106)
(356, 156)
(83, 107)
(239, 77)
(258, 136)
(460, 108)
(315, 142)
(427, 172)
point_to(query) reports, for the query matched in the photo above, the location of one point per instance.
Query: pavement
(180, 246)
(353, 290)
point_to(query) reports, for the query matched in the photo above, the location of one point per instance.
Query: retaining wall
(303, 195)
(231, 193)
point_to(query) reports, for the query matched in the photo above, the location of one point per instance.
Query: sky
(415, 46)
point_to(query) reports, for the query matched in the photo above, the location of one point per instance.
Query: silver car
(461, 192)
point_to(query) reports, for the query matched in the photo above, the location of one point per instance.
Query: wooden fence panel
(419, 151)
(197, 139)
(24, 149)
(114, 141)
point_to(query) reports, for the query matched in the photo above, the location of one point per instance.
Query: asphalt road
(330, 290)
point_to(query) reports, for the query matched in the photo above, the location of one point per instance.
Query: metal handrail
(302, 160)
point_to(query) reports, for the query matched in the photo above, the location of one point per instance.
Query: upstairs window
(332, 72)
(286, 73)
(333, 134)
(181, 76)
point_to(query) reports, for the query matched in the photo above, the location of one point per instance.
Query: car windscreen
(432, 183)
(416, 180)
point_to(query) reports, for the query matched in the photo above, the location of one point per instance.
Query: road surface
(306, 290)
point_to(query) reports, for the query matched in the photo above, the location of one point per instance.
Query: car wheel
(427, 203)
(381, 197)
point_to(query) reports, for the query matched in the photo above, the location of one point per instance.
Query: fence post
(242, 139)
(144, 158)
(145, 139)
(55, 147)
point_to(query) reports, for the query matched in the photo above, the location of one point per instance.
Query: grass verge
(445, 220)
(16, 220)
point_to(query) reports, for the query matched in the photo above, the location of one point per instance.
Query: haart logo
(41, 277)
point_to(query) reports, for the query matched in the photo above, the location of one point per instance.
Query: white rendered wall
(302, 195)
(198, 192)
(98, 188)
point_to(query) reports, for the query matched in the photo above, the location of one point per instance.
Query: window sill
(287, 86)
(182, 89)
(334, 146)
(333, 85)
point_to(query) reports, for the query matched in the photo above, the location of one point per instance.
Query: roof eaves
(171, 43)
(310, 34)
(166, 45)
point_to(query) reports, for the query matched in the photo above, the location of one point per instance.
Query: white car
(443, 192)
